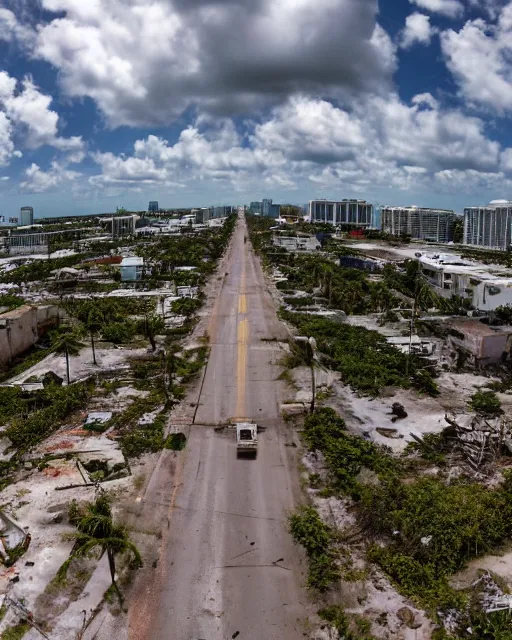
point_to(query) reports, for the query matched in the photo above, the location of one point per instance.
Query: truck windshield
(245, 434)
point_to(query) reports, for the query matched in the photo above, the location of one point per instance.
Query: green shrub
(345, 454)
(176, 442)
(434, 530)
(28, 432)
(140, 439)
(309, 530)
(186, 306)
(336, 616)
(119, 332)
(486, 402)
(11, 301)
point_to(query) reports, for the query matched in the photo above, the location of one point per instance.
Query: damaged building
(479, 342)
(450, 275)
(21, 328)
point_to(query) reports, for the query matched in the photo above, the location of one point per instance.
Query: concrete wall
(488, 296)
(484, 344)
(20, 329)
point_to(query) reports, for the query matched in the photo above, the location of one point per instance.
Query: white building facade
(451, 276)
(431, 225)
(489, 226)
(357, 213)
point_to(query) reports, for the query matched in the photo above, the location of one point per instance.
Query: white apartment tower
(431, 225)
(357, 213)
(489, 226)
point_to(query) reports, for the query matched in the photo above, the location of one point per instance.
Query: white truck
(246, 439)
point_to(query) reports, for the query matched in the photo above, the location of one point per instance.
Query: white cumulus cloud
(417, 30)
(38, 181)
(450, 8)
(26, 113)
(479, 57)
(378, 141)
(146, 61)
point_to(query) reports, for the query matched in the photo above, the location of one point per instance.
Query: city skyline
(88, 122)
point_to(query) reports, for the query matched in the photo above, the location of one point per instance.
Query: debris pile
(479, 440)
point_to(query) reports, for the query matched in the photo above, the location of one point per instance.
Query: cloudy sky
(198, 102)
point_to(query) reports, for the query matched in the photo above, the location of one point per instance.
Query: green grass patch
(15, 633)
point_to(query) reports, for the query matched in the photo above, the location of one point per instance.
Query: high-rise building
(26, 216)
(153, 206)
(221, 211)
(255, 208)
(431, 225)
(489, 226)
(265, 208)
(357, 213)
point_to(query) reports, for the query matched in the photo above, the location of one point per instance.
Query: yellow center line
(241, 367)
(242, 346)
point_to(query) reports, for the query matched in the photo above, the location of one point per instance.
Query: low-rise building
(21, 328)
(356, 213)
(120, 226)
(479, 342)
(420, 223)
(296, 242)
(131, 268)
(451, 275)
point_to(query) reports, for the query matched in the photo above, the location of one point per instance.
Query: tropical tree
(96, 530)
(94, 322)
(153, 325)
(68, 343)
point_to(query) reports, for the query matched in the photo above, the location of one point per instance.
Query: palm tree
(153, 326)
(94, 322)
(67, 343)
(304, 352)
(97, 530)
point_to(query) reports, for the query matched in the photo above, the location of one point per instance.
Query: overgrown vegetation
(309, 530)
(364, 358)
(52, 405)
(348, 628)
(427, 529)
(39, 269)
(10, 301)
(345, 454)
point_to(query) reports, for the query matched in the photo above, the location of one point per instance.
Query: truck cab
(246, 439)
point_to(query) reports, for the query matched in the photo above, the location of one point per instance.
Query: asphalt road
(228, 568)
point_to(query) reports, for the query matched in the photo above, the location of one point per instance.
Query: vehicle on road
(246, 439)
